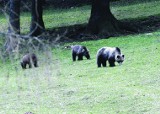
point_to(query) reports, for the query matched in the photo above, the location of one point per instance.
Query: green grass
(137, 11)
(52, 18)
(81, 87)
(59, 85)
(64, 17)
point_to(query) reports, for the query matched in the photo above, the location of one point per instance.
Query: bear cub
(80, 51)
(29, 59)
(110, 54)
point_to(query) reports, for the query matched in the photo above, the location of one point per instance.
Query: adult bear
(80, 51)
(29, 59)
(110, 54)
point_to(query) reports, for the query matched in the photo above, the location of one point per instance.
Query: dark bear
(29, 59)
(80, 51)
(110, 54)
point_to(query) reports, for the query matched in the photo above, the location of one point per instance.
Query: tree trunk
(37, 24)
(14, 26)
(14, 17)
(102, 20)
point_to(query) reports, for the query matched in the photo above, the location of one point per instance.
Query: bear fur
(29, 59)
(80, 51)
(110, 54)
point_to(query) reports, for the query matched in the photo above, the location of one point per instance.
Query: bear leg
(99, 61)
(24, 65)
(30, 66)
(73, 56)
(80, 57)
(35, 64)
(111, 63)
(104, 63)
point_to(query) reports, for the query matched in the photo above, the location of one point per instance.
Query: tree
(37, 24)
(14, 17)
(102, 20)
(14, 25)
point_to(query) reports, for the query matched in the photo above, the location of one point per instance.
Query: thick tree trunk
(102, 20)
(37, 24)
(14, 17)
(14, 26)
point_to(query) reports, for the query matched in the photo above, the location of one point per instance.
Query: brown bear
(110, 54)
(29, 59)
(80, 51)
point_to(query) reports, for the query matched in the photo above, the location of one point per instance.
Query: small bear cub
(29, 59)
(80, 51)
(110, 54)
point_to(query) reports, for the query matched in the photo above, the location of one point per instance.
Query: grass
(52, 18)
(130, 12)
(64, 17)
(59, 85)
(80, 87)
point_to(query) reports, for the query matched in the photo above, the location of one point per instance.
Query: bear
(110, 54)
(80, 51)
(29, 59)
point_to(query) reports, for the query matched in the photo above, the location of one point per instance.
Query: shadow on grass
(77, 32)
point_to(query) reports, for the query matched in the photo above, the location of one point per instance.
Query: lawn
(64, 17)
(59, 85)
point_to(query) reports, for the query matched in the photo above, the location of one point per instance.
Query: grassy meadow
(60, 86)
